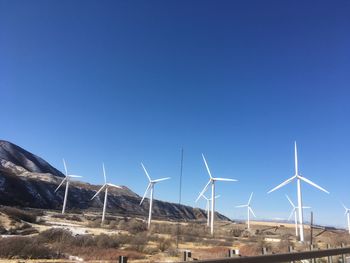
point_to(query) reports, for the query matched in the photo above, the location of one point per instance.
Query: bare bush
(25, 248)
(18, 214)
(139, 241)
(136, 226)
(68, 217)
(55, 235)
(236, 232)
(164, 244)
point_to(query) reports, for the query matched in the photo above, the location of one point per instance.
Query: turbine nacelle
(248, 205)
(151, 182)
(68, 176)
(294, 208)
(105, 185)
(212, 179)
(347, 210)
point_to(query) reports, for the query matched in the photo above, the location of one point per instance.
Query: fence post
(232, 252)
(264, 250)
(187, 255)
(123, 259)
(312, 247)
(290, 250)
(330, 258)
(343, 255)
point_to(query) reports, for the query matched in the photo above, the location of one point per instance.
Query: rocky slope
(26, 180)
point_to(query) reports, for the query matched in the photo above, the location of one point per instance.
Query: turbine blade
(74, 176)
(116, 186)
(282, 184)
(149, 178)
(206, 198)
(290, 201)
(313, 184)
(306, 207)
(144, 195)
(61, 184)
(239, 206)
(104, 172)
(203, 191)
(217, 196)
(251, 210)
(344, 206)
(161, 179)
(224, 179)
(291, 214)
(206, 165)
(103, 186)
(65, 167)
(250, 198)
(296, 157)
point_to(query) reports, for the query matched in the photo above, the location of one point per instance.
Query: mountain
(27, 180)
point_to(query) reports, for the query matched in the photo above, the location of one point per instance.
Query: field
(36, 234)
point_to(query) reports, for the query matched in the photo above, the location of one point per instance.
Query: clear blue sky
(130, 81)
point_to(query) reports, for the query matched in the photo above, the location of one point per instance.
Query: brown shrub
(164, 244)
(25, 248)
(68, 217)
(55, 235)
(18, 214)
(139, 241)
(135, 226)
(105, 241)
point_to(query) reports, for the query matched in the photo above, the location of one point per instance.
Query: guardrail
(285, 257)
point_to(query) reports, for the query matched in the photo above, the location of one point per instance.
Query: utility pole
(311, 227)
(180, 189)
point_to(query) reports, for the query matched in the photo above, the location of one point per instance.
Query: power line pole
(180, 192)
(311, 227)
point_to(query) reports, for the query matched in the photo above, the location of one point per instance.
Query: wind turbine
(150, 187)
(212, 181)
(347, 211)
(294, 211)
(67, 180)
(249, 209)
(105, 186)
(299, 178)
(207, 207)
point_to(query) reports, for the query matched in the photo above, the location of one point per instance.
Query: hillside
(27, 180)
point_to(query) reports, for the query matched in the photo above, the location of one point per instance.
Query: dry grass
(124, 236)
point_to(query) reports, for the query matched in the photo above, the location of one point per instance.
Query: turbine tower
(299, 178)
(294, 211)
(105, 187)
(249, 209)
(150, 187)
(67, 180)
(212, 181)
(347, 211)
(207, 207)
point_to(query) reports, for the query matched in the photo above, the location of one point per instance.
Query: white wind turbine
(212, 181)
(299, 178)
(294, 211)
(347, 211)
(207, 207)
(150, 187)
(67, 180)
(249, 209)
(105, 186)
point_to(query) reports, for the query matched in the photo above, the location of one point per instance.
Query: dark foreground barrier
(285, 257)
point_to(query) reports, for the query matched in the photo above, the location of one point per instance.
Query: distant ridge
(27, 180)
(20, 157)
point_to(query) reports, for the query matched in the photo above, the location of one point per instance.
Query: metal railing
(285, 257)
